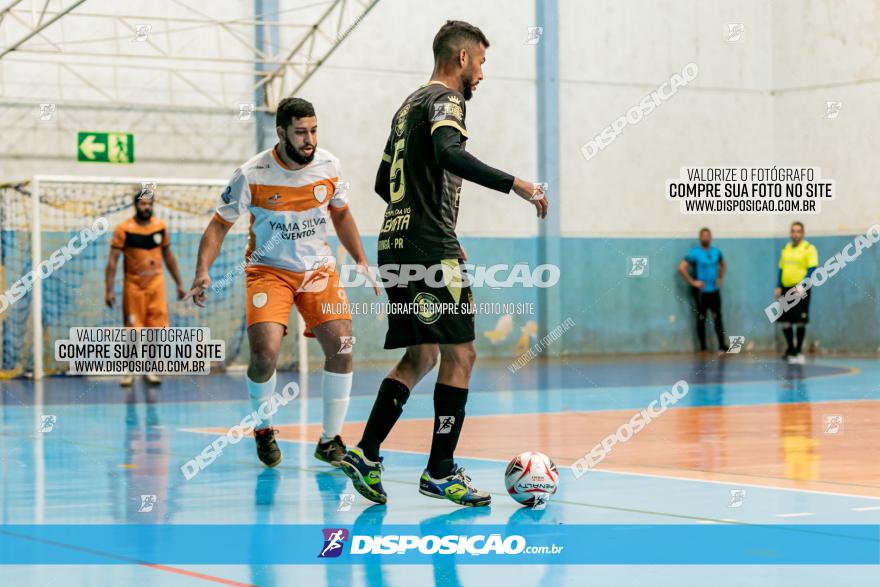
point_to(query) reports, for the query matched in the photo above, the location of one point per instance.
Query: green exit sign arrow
(105, 147)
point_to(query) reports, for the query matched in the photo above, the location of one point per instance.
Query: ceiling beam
(40, 27)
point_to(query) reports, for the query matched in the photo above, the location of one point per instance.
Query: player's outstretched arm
(209, 250)
(452, 157)
(350, 237)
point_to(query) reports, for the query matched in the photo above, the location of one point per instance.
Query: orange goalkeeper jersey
(142, 247)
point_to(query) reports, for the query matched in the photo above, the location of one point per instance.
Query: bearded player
(143, 242)
(288, 193)
(420, 178)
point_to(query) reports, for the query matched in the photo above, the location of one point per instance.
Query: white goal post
(54, 207)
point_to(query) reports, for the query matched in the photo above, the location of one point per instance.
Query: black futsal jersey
(419, 223)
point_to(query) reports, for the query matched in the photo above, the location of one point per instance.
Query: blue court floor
(750, 444)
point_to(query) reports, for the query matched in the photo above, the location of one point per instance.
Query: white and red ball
(531, 477)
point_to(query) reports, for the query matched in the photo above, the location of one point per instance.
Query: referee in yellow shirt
(798, 260)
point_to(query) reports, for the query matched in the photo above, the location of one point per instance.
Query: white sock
(258, 393)
(336, 388)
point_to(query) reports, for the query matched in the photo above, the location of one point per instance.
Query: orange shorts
(271, 294)
(144, 307)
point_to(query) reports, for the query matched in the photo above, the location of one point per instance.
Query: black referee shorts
(798, 313)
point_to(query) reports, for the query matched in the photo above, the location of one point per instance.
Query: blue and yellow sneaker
(365, 475)
(456, 488)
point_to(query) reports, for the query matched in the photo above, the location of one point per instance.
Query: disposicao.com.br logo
(479, 544)
(334, 541)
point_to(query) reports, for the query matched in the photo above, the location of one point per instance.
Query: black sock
(789, 338)
(449, 405)
(386, 410)
(801, 332)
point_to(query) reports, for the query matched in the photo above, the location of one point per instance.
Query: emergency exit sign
(105, 147)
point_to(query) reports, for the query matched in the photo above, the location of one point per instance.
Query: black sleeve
(452, 157)
(383, 175)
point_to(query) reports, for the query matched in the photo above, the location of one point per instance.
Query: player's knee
(429, 359)
(463, 355)
(338, 363)
(422, 359)
(262, 363)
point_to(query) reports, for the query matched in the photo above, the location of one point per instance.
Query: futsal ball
(531, 478)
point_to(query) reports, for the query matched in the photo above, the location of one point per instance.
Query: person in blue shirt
(703, 269)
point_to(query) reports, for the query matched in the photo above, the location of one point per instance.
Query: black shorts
(707, 302)
(798, 313)
(426, 311)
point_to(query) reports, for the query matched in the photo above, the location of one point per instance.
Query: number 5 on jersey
(398, 192)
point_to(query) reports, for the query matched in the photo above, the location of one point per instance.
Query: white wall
(756, 102)
(830, 51)
(759, 101)
(614, 53)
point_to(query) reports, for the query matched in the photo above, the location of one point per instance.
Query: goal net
(40, 216)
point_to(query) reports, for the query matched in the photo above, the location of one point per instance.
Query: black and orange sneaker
(331, 451)
(267, 448)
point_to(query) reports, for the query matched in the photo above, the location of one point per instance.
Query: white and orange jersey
(288, 208)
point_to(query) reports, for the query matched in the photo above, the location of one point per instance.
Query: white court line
(609, 471)
(703, 521)
(730, 483)
(869, 508)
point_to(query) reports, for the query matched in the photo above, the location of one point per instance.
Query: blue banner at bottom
(425, 544)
